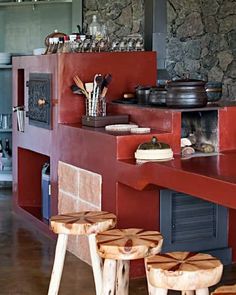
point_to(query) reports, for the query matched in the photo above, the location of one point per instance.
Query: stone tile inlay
(79, 190)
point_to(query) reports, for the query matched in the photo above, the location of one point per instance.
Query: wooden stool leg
(204, 291)
(58, 264)
(96, 263)
(109, 277)
(157, 291)
(122, 277)
(151, 289)
(188, 292)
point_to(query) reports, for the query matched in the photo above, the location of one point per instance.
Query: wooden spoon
(105, 84)
(80, 84)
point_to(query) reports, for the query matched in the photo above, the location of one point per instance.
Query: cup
(9, 121)
(5, 124)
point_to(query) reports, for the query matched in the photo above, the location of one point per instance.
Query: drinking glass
(5, 124)
(0, 121)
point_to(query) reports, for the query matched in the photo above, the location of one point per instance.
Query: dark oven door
(39, 104)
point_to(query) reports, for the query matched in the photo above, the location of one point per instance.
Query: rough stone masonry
(201, 37)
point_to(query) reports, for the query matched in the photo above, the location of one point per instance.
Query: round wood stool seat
(128, 244)
(118, 247)
(79, 223)
(82, 223)
(183, 271)
(225, 290)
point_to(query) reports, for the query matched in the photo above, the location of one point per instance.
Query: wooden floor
(26, 258)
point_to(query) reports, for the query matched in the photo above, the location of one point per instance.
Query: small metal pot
(186, 93)
(142, 94)
(157, 96)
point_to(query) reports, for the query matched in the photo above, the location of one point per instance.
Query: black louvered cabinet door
(192, 224)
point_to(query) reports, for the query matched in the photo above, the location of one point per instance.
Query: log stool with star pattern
(182, 271)
(87, 223)
(118, 247)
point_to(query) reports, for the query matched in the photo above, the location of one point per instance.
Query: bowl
(39, 51)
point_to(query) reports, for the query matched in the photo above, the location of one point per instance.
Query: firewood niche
(200, 129)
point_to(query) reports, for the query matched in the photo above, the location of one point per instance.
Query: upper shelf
(33, 2)
(5, 66)
(5, 130)
(5, 175)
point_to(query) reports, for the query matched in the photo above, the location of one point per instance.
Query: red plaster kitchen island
(130, 190)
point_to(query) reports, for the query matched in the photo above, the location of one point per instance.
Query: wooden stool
(182, 271)
(82, 223)
(118, 247)
(225, 290)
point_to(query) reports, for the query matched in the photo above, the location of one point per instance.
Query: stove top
(133, 102)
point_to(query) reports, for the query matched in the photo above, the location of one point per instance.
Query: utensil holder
(96, 108)
(21, 120)
(20, 113)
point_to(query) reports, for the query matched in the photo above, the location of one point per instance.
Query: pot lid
(186, 82)
(158, 89)
(154, 144)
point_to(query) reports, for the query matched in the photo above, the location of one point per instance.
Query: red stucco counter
(212, 178)
(129, 190)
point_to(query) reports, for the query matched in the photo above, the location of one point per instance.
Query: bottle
(55, 44)
(60, 45)
(104, 32)
(94, 27)
(73, 43)
(7, 148)
(66, 48)
(50, 46)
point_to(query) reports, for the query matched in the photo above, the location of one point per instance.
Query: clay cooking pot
(157, 96)
(186, 93)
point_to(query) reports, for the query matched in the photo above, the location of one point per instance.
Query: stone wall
(121, 17)
(201, 35)
(202, 41)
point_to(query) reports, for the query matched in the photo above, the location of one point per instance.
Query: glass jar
(94, 27)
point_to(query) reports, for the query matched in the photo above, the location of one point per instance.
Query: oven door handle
(42, 102)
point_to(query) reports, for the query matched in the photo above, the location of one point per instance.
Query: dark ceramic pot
(157, 96)
(214, 91)
(186, 94)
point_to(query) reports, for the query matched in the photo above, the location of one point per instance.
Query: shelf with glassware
(24, 3)
(5, 160)
(5, 130)
(5, 123)
(5, 66)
